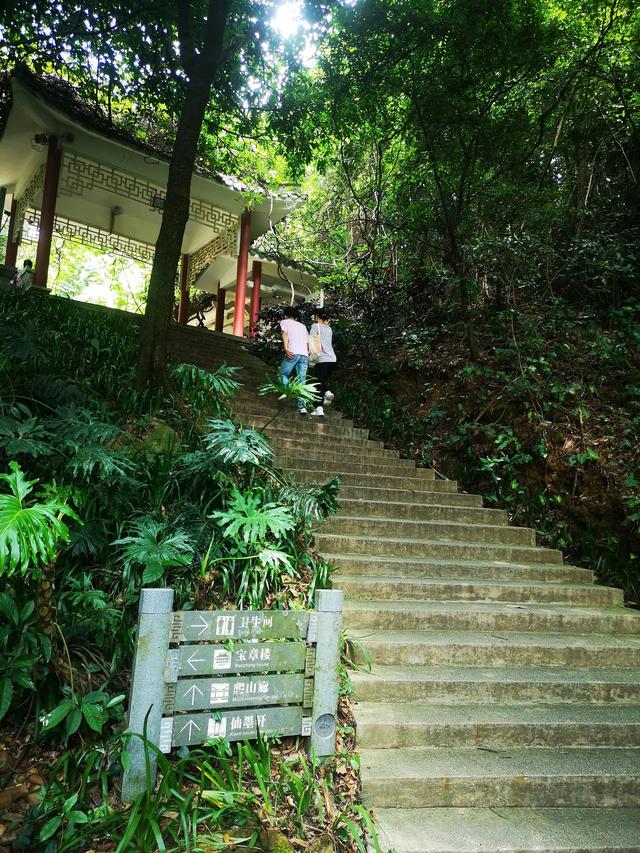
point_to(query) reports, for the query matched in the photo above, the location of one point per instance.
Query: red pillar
(11, 255)
(47, 216)
(183, 305)
(220, 299)
(255, 298)
(241, 275)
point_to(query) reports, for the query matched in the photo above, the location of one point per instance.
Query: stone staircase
(502, 712)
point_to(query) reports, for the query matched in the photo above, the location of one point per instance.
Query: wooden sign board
(191, 660)
(193, 729)
(232, 674)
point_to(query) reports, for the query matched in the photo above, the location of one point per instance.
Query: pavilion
(68, 169)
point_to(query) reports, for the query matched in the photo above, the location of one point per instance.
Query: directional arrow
(193, 690)
(190, 724)
(193, 660)
(202, 624)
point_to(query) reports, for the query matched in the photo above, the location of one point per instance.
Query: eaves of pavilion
(69, 170)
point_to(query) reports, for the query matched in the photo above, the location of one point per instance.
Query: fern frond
(30, 534)
(20, 343)
(232, 444)
(23, 434)
(305, 392)
(250, 518)
(154, 545)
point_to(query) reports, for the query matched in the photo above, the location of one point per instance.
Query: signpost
(231, 674)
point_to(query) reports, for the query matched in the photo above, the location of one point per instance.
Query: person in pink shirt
(295, 340)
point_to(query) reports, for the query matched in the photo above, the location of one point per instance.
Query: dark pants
(322, 375)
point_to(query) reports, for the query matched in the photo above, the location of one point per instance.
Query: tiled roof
(154, 140)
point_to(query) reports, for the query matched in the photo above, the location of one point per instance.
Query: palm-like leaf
(155, 546)
(305, 392)
(30, 534)
(251, 519)
(21, 343)
(313, 502)
(236, 445)
(23, 434)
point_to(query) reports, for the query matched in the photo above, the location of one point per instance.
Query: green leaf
(29, 535)
(69, 803)
(50, 827)
(9, 608)
(235, 445)
(152, 573)
(94, 715)
(73, 721)
(6, 694)
(53, 718)
(251, 518)
(78, 817)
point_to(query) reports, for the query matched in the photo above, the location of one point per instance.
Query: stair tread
(442, 714)
(428, 561)
(427, 522)
(488, 583)
(505, 638)
(427, 762)
(368, 538)
(510, 830)
(481, 607)
(500, 675)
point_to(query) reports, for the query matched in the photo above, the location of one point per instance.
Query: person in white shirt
(295, 340)
(23, 280)
(321, 337)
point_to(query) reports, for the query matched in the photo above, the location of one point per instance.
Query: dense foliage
(474, 209)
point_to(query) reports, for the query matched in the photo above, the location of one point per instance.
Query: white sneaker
(282, 397)
(328, 398)
(318, 413)
(302, 412)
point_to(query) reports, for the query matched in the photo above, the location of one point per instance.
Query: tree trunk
(44, 608)
(456, 263)
(152, 359)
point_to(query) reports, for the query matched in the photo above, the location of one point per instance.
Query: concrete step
(296, 425)
(280, 433)
(404, 528)
(488, 617)
(422, 777)
(355, 448)
(389, 588)
(390, 725)
(435, 549)
(263, 408)
(503, 684)
(382, 509)
(516, 830)
(306, 473)
(473, 648)
(410, 495)
(327, 461)
(465, 570)
(353, 462)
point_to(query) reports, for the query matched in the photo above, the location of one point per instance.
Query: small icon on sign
(221, 659)
(219, 694)
(225, 626)
(217, 728)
